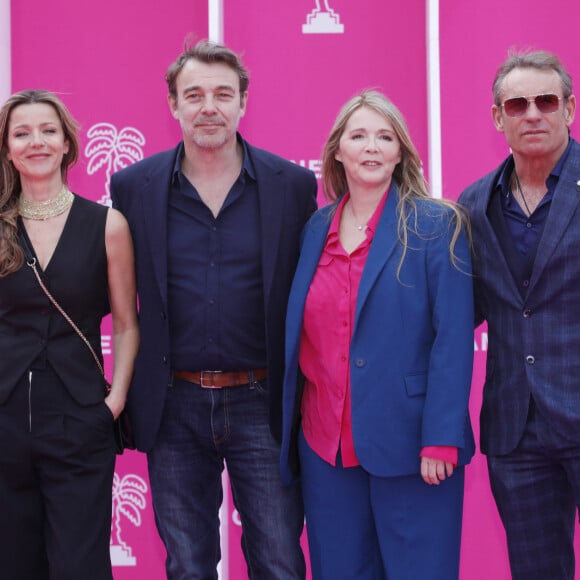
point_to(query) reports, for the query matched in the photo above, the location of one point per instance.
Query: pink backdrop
(107, 61)
(475, 38)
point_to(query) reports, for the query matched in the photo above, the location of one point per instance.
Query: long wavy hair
(11, 255)
(408, 175)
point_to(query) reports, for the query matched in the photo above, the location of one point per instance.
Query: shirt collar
(503, 183)
(247, 167)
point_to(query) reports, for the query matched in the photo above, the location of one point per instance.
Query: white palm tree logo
(112, 149)
(128, 500)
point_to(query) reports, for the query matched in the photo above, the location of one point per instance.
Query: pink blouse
(324, 347)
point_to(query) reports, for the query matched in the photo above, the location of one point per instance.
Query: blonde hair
(11, 255)
(408, 175)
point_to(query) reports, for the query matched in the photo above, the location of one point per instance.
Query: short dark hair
(208, 52)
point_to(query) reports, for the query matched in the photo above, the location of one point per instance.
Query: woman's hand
(115, 403)
(433, 471)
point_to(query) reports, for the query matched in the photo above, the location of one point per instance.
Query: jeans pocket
(259, 387)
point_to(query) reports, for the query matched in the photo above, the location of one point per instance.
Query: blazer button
(163, 316)
(527, 313)
(530, 359)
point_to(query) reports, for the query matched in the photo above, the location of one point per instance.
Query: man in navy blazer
(216, 226)
(526, 233)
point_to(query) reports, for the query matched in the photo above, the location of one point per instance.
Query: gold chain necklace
(43, 210)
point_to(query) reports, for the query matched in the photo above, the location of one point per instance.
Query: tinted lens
(517, 106)
(547, 103)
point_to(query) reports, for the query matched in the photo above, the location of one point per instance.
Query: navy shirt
(526, 230)
(215, 290)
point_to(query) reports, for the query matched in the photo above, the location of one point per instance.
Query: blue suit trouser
(377, 528)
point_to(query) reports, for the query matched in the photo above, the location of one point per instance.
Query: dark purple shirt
(215, 291)
(526, 231)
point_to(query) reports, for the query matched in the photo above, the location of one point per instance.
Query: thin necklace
(43, 210)
(361, 227)
(519, 186)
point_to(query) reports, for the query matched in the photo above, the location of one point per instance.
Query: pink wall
(107, 61)
(299, 81)
(475, 38)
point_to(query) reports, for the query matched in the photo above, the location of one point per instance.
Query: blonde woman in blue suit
(379, 353)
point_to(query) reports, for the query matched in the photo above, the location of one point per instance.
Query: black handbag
(123, 430)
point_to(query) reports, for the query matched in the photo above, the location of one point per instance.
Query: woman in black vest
(57, 451)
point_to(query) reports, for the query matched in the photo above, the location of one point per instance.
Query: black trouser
(57, 461)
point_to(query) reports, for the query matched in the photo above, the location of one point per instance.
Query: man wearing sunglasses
(526, 236)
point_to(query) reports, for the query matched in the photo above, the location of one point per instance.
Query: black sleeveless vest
(33, 333)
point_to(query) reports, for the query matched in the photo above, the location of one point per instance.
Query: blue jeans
(200, 429)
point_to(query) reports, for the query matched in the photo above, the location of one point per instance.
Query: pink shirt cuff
(441, 452)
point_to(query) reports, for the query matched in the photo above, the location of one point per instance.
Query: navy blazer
(533, 336)
(411, 352)
(287, 198)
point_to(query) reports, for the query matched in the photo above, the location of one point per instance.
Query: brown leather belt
(219, 379)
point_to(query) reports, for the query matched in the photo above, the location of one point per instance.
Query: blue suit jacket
(533, 337)
(287, 198)
(411, 352)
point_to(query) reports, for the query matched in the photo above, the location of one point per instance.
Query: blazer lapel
(315, 233)
(154, 197)
(271, 214)
(383, 245)
(564, 205)
(490, 254)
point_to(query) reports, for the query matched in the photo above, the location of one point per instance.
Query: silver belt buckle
(208, 386)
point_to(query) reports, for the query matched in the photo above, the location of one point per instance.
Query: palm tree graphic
(112, 149)
(128, 500)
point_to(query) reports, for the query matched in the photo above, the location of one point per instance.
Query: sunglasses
(518, 106)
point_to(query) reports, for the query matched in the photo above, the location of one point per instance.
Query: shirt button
(525, 283)
(528, 225)
(360, 362)
(527, 313)
(530, 359)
